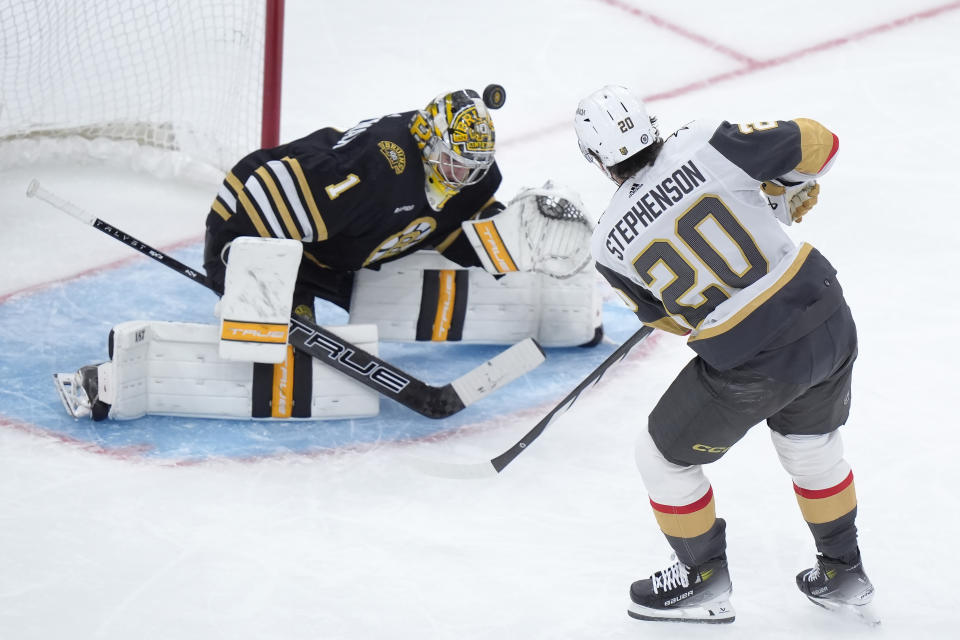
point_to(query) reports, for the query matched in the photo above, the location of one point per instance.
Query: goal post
(272, 73)
(174, 83)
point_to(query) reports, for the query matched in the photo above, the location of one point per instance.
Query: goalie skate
(78, 391)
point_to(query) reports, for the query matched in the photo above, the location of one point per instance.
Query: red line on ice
(104, 267)
(689, 35)
(751, 65)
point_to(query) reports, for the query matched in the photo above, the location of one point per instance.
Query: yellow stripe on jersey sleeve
(244, 200)
(278, 203)
(318, 222)
(219, 209)
(312, 258)
(817, 144)
(443, 246)
(451, 238)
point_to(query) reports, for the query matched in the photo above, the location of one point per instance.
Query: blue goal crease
(65, 326)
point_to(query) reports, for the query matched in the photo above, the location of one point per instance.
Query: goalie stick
(334, 351)
(492, 467)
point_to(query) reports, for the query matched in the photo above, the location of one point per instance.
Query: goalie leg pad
(425, 297)
(173, 368)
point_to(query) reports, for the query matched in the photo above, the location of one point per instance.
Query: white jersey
(693, 244)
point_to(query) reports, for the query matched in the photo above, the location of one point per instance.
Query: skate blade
(67, 388)
(716, 613)
(864, 613)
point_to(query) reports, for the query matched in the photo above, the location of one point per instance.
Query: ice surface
(103, 537)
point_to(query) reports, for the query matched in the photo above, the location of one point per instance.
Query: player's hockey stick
(332, 350)
(494, 466)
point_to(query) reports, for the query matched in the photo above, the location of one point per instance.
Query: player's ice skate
(684, 594)
(838, 586)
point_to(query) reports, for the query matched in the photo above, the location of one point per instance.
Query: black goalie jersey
(693, 246)
(355, 199)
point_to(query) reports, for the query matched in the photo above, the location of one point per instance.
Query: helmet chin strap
(618, 180)
(595, 159)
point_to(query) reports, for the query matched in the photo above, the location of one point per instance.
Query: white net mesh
(184, 76)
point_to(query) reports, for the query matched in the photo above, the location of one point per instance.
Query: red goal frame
(272, 74)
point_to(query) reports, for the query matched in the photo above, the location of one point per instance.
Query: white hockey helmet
(612, 124)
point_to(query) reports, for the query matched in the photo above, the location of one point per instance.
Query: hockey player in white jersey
(692, 240)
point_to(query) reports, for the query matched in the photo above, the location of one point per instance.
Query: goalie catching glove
(790, 204)
(542, 230)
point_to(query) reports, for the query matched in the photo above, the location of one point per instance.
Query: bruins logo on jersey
(413, 234)
(394, 155)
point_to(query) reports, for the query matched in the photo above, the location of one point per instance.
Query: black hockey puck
(494, 96)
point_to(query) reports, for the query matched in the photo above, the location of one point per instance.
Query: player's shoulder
(381, 147)
(686, 142)
(384, 146)
(758, 131)
(692, 134)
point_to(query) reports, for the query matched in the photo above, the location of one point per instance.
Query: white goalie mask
(612, 124)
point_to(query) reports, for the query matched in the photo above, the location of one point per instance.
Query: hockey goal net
(196, 80)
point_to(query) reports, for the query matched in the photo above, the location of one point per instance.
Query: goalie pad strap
(302, 384)
(443, 304)
(262, 391)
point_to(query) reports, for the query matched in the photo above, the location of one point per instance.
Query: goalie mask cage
(198, 80)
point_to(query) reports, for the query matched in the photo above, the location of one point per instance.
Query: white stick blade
(500, 370)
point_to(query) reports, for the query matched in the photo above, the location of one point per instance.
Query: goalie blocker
(175, 368)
